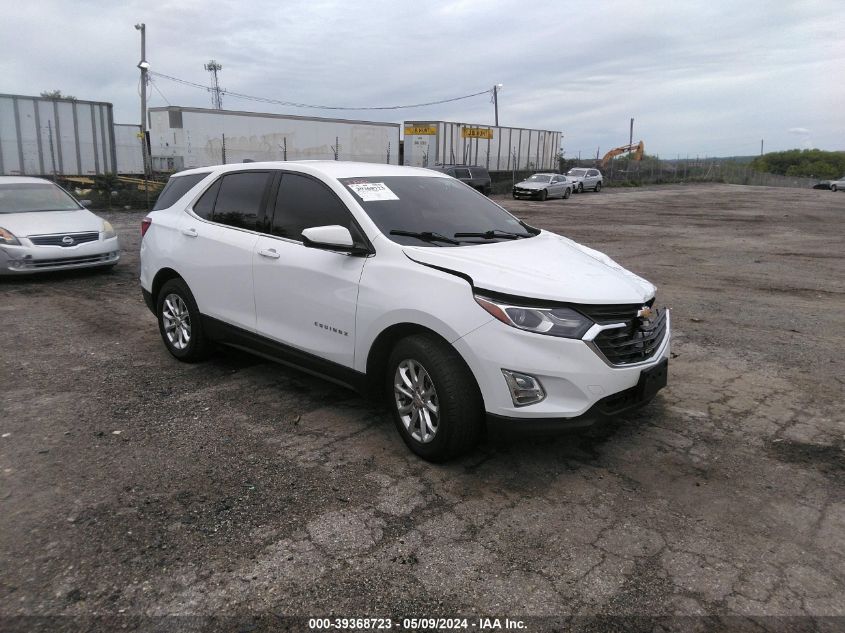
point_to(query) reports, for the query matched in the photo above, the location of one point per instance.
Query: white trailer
(128, 148)
(68, 137)
(181, 138)
(429, 143)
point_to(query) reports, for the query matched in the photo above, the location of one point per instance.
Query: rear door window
(462, 173)
(236, 200)
(175, 188)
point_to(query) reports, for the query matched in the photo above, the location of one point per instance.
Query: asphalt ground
(137, 488)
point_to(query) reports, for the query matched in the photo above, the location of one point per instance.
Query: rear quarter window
(175, 188)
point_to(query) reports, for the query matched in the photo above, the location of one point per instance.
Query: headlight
(7, 238)
(108, 230)
(563, 322)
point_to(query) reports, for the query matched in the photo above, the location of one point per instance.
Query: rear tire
(566, 193)
(180, 323)
(598, 187)
(543, 195)
(434, 399)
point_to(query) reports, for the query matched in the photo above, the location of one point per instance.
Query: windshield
(35, 196)
(540, 178)
(431, 205)
(577, 172)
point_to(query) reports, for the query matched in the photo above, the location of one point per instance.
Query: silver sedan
(43, 228)
(542, 186)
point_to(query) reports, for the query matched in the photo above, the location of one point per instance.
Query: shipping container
(182, 138)
(41, 136)
(128, 149)
(430, 143)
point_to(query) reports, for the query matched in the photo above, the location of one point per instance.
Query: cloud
(799, 131)
(694, 81)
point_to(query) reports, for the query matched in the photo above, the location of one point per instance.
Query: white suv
(407, 283)
(583, 178)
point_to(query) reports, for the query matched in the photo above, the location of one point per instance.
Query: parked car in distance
(542, 186)
(402, 282)
(836, 185)
(822, 184)
(584, 178)
(475, 176)
(44, 228)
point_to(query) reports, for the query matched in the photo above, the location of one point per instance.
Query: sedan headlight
(7, 238)
(108, 230)
(562, 321)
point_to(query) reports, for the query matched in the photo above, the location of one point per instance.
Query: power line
(294, 104)
(155, 85)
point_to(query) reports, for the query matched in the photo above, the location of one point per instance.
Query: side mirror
(85, 203)
(331, 238)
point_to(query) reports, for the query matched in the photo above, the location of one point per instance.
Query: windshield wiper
(494, 233)
(426, 236)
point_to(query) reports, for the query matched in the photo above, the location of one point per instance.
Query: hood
(48, 222)
(526, 184)
(548, 267)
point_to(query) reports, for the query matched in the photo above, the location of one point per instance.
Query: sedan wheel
(833, 187)
(566, 193)
(543, 195)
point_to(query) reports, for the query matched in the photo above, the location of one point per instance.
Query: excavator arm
(638, 149)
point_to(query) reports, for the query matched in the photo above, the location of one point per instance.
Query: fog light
(524, 389)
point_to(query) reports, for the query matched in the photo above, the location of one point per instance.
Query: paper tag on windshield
(372, 191)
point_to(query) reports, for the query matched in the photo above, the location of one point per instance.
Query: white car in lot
(406, 283)
(836, 185)
(583, 178)
(43, 228)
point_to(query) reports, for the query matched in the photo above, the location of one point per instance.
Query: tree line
(813, 163)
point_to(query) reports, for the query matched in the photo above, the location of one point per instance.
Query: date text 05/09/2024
(413, 624)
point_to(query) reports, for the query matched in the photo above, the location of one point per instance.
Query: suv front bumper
(580, 385)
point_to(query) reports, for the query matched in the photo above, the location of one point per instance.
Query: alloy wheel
(177, 321)
(416, 400)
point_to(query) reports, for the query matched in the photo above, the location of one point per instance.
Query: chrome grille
(59, 239)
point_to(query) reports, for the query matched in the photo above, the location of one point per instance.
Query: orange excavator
(636, 148)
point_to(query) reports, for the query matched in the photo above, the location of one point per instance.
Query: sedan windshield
(420, 210)
(577, 172)
(27, 197)
(540, 178)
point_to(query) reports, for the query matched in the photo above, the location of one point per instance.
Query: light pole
(144, 67)
(496, 89)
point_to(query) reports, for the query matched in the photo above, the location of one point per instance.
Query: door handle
(269, 252)
(189, 232)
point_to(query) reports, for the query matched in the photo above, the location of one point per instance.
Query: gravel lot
(133, 484)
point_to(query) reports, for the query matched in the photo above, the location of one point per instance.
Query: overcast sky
(708, 78)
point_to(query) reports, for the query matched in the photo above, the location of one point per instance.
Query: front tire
(180, 323)
(598, 187)
(434, 400)
(833, 188)
(580, 187)
(543, 195)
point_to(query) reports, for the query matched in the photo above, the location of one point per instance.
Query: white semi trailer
(182, 138)
(41, 136)
(429, 143)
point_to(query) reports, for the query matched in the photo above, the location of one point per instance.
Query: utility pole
(631, 137)
(496, 89)
(216, 92)
(144, 67)
(761, 147)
